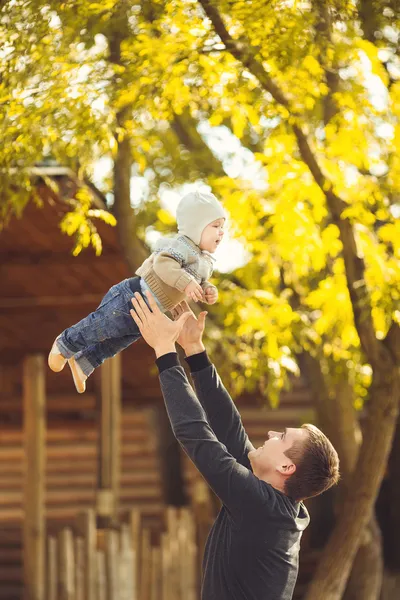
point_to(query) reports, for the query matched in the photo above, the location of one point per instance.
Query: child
(179, 267)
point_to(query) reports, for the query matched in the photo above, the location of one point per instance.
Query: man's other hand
(190, 337)
(157, 330)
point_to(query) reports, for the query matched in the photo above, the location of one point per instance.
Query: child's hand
(211, 294)
(194, 291)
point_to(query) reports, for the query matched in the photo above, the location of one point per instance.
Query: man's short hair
(317, 465)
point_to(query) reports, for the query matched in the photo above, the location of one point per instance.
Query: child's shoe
(56, 360)
(78, 375)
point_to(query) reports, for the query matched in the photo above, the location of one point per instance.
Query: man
(253, 547)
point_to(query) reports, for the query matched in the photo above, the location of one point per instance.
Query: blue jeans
(106, 331)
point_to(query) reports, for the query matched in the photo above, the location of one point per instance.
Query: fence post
(52, 570)
(112, 560)
(79, 569)
(188, 555)
(125, 575)
(87, 521)
(109, 441)
(135, 526)
(34, 402)
(66, 588)
(156, 590)
(101, 589)
(166, 559)
(145, 565)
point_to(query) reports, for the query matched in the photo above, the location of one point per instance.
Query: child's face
(212, 235)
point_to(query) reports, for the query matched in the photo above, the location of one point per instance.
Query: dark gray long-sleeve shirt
(253, 547)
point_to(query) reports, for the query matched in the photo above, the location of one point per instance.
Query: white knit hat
(195, 211)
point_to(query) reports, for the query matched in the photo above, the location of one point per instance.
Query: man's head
(301, 462)
(198, 211)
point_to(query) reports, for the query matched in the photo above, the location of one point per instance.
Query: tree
(381, 351)
(138, 81)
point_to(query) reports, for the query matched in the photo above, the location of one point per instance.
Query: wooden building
(61, 452)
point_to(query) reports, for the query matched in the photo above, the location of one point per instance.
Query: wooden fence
(129, 562)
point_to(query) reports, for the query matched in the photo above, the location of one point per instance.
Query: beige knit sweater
(174, 263)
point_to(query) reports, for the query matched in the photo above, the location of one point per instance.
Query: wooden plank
(166, 559)
(66, 565)
(169, 455)
(109, 440)
(12, 515)
(62, 403)
(101, 585)
(135, 531)
(79, 568)
(155, 575)
(112, 561)
(88, 520)
(188, 554)
(10, 555)
(34, 458)
(145, 567)
(52, 569)
(115, 430)
(77, 451)
(13, 480)
(10, 574)
(125, 574)
(58, 259)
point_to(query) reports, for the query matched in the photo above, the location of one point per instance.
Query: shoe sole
(56, 360)
(79, 384)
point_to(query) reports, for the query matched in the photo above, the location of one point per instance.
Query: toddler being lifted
(179, 268)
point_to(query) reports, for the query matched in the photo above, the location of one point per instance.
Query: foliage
(46, 111)
(63, 86)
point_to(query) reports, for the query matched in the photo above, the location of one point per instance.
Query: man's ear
(287, 469)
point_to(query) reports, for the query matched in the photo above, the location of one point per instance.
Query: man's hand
(190, 337)
(194, 291)
(211, 294)
(157, 330)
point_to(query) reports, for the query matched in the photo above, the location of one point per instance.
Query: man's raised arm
(221, 411)
(231, 481)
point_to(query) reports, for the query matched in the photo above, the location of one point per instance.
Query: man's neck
(275, 482)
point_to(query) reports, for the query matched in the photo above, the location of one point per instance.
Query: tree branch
(354, 265)
(323, 29)
(184, 127)
(392, 341)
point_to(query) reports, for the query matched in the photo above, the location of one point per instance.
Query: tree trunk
(366, 576)
(337, 418)
(132, 247)
(389, 519)
(335, 565)
(390, 585)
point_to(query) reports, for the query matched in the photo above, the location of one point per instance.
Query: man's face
(270, 456)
